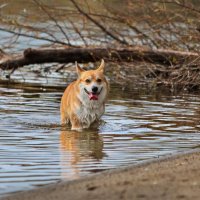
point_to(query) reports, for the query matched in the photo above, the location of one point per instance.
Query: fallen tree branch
(84, 55)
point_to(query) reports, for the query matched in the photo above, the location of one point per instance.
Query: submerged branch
(85, 55)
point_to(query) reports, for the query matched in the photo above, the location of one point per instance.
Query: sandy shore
(176, 177)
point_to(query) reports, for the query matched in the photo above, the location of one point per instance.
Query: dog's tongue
(93, 96)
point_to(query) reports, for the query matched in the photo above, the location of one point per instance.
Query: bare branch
(178, 3)
(55, 21)
(98, 24)
(78, 32)
(32, 36)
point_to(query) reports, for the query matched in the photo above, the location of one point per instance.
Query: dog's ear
(79, 70)
(102, 65)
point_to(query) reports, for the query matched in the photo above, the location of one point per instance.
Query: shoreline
(174, 176)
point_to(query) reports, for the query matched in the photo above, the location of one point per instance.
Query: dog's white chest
(88, 115)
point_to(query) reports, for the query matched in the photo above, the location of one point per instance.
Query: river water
(137, 125)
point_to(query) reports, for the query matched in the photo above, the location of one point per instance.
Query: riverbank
(173, 177)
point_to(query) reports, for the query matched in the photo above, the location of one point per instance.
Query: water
(137, 126)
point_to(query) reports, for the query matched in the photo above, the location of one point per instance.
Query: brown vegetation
(86, 31)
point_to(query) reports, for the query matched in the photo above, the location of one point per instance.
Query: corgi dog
(83, 101)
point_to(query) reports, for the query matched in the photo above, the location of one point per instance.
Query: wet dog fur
(83, 101)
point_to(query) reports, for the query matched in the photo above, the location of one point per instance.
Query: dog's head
(92, 84)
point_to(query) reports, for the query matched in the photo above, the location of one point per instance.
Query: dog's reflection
(78, 149)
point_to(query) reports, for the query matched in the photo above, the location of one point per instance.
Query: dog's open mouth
(92, 95)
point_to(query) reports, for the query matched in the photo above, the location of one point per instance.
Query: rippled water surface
(35, 151)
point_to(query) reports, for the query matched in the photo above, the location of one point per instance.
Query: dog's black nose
(94, 89)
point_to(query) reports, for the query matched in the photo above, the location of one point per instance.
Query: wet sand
(175, 177)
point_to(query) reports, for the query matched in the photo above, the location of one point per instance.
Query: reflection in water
(76, 148)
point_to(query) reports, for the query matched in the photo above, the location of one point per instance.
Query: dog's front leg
(76, 124)
(64, 120)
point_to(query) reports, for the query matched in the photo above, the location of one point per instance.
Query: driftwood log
(84, 55)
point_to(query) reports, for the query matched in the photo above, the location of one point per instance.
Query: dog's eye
(88, 81)
(99, 80)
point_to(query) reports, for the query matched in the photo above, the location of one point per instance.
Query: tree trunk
(84, 55)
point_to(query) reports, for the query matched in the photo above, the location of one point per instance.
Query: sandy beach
(171, 177)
